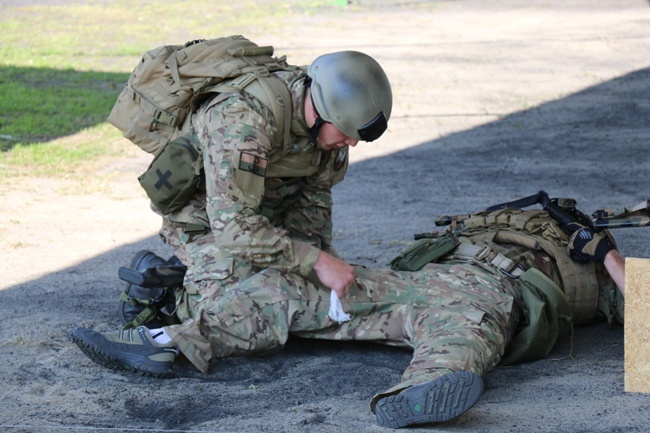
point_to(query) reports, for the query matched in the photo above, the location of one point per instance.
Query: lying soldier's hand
(585, 245)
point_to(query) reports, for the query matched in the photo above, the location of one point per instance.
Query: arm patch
(253, 164)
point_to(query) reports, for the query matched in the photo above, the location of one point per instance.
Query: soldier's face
(330, 138)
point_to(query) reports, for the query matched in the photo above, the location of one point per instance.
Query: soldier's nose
(351, 142)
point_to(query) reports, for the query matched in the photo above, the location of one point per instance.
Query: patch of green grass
(38, 105)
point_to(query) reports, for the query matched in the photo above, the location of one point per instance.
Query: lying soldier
(497, 287)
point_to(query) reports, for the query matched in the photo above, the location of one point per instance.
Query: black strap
(315, 130)
(171, 276)
(539, 198)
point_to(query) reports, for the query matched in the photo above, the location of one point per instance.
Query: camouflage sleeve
(310, 218)
(236, 136)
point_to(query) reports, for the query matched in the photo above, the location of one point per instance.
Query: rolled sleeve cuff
(304, 257)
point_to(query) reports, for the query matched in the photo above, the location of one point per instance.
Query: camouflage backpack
(169, 82)
(167, 86)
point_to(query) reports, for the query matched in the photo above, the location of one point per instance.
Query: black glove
(585, 245)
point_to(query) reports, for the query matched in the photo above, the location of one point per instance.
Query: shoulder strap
(280, 105)
(270, 91)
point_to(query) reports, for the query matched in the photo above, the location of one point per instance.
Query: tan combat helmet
(351, 90)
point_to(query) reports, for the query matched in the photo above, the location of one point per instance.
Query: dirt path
(494, 101)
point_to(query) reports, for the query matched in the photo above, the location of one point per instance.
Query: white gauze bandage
(336, 312)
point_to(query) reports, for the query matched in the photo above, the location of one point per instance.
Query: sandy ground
(494, 100)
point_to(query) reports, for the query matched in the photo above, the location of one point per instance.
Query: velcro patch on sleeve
(253, 164)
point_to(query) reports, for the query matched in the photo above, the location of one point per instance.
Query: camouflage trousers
(455, 316)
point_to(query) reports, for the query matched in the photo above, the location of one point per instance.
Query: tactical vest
(533, 239)
(530, 247)
(289, 176)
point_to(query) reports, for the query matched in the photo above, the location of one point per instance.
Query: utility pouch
(173, 176)
(421, 252)
(548, 317)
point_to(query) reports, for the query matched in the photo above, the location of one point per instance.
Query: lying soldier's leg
(462, 322)
(458, 319)
(459, 327)
(454, 349)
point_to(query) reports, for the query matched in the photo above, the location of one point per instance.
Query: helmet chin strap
(319, 122)
(315, 129)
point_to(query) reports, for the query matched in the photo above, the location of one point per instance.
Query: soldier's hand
(585, 245)
(334, 273)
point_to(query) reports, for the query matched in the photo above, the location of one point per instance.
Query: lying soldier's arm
(615, 265)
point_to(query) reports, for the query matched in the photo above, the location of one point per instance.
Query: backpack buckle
(483, 253)
(160, 116)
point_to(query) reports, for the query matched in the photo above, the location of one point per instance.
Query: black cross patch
(163, 179)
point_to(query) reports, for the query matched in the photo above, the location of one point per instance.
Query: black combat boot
(150, 306)
(132, 350)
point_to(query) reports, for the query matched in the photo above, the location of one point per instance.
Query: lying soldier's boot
(131, 350)
(151, 306)
(439, 400)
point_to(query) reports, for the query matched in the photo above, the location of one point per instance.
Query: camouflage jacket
(265, 205)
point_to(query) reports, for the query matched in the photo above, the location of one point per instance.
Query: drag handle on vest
(171, 276)
(561, 210)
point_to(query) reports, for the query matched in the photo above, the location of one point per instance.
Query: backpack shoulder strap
(271, 91)
(276, 96)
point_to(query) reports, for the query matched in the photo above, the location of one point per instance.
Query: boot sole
(134, 365)
(440, 400)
